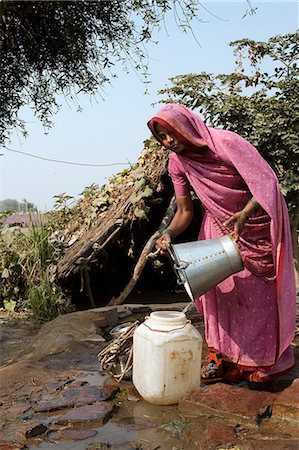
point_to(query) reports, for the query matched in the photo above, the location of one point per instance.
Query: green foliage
(62, 212)
(98, 200)
(69, 47)
(142, 192)
(10, 305)
(46, 300)
(135, 198)
(28, 272)
(63, 202)
(90, 192)
(12, 285)
(262, 106)
(39, 250)
(141, 212)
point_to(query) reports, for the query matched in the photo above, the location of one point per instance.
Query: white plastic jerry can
(167, 352)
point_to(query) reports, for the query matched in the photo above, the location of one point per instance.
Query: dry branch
(121, 347)
(144, 255)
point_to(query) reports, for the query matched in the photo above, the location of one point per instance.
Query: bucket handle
(181, 265)
(181, 279)
(177, 264)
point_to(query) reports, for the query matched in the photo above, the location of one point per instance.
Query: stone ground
(53, 395)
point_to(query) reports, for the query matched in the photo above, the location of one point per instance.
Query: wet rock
(25, 416)
(90, 363)
(286, 404)
(277, 444)
(124, 445)
(110, 387)
(9, 446)
(133, 423)
(76, 396)
(58, 385)
(267, 436)
(175, 427)
(100, 412)
(214, 433)
(102, 380)
(17, 409)
(220, 400)
(66, 332)
(10, 433)
(264, 414)
(128, 445)
(33, 428)
(72, 435)
(99, 446)
(132, 394)
(210, 434)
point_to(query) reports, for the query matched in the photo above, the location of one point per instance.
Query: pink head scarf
(187, 128)
(206, 175)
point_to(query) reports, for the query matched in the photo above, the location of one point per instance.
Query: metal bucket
(201, 265)
(120, 329)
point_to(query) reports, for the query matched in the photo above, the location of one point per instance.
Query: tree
(67, 47)
(15, 206)
(262, 106)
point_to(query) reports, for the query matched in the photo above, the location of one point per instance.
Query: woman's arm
(179, 223)
(251, 207)
(239, 218)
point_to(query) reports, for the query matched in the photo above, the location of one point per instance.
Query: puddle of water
(138, 422)
(94, 378)
(134, 421)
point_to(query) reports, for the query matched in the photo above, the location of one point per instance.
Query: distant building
(21, 219)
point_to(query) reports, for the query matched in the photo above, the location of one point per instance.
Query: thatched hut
(110, 237)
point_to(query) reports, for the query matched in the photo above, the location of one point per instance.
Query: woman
(250, 316)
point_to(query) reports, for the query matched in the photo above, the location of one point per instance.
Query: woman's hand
(179, 223)
(163, 243)
(238, 220)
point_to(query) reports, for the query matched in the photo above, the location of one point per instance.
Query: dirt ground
(35, 360)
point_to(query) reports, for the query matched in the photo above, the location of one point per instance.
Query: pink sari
(250, 316)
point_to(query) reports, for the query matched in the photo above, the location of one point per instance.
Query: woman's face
(169, 141)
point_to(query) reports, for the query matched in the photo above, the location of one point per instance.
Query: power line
(67, 162)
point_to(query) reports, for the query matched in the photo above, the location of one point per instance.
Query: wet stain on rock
(72, 435)
(71, 397)
(133, 423)
(100, 412)
(220, 400)
(36, 430)
(286, 403)
(18, 408)
(175, 428)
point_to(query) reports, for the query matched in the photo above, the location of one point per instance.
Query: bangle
(246, 215)
(169, 232)
(254, 203)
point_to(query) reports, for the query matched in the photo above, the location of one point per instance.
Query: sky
(112, 131)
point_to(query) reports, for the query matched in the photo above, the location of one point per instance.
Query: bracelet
(169, 232)
(254, 203)
(246, 215)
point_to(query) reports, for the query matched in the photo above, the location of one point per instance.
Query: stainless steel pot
(201, 265)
